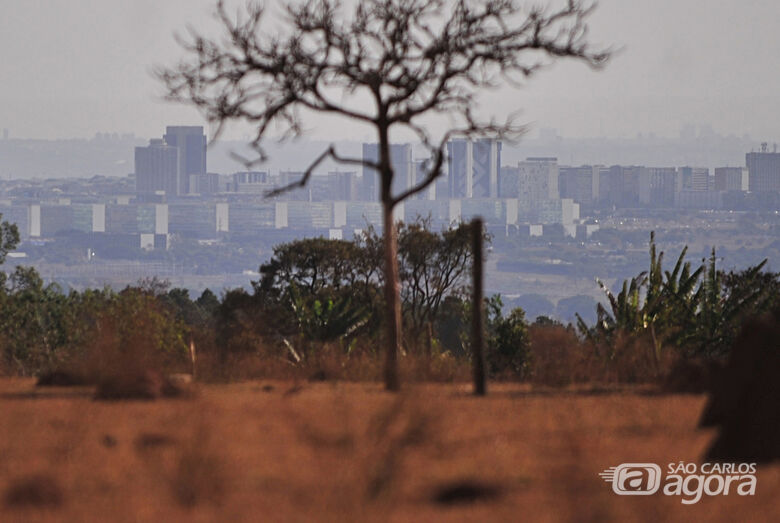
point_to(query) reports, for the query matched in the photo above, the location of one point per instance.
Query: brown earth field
(287, 451)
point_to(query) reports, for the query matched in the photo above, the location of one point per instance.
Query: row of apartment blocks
(533, 180)
(175, 166)
(638, 186)
(530, 181)
(153, 223)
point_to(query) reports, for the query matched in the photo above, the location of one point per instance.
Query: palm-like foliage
(681, 296)
(697, 311)
(721, 309)
(626, 309)
(327, 319)
(643, 304)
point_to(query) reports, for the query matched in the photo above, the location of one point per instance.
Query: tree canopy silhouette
(413, 59)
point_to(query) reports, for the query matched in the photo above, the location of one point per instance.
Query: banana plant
(698, 311)
(651, 302)
(327, 319)
(721, 308)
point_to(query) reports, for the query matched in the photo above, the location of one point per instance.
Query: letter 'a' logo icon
(633, 479)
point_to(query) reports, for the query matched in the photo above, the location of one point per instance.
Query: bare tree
(412, 59)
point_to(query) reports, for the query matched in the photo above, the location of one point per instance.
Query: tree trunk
(392, 283)
(392, 301)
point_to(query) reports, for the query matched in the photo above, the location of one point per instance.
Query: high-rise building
(581, 184)
(608, 186)
(486, 155)
(700, 179)
(460, 168)
(658, 185)
(763, 170)
(403, 170)
(167, 164)
(694, 178)
(473, 168)
(156, 168)
(731, 179)
(508, 180)
(533, 180)
(624, 185)
(421, 171)
(344, 185)
(191, 144)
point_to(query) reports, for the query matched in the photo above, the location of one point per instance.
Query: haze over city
(73, 69)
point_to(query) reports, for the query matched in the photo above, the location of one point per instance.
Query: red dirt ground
(281, 451)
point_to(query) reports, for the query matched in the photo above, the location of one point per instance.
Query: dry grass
(328, 364)
(121, 367)
(559, 358)
(302, 451)
(135, 369)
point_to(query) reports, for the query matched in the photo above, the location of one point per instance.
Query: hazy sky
(71, 68)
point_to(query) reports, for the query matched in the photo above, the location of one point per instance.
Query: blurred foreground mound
(745, 401)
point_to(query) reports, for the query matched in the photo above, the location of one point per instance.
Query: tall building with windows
(731, 179)
(694, 178)
(460, 168)
(486, 154)
(658, 185)
(156, 168)
(619, 185)
(532, 180)
(167, 164)
(473, 168)
(422, 169)
(191, 144)
(344, 185)
(581, 184)
(763, 170)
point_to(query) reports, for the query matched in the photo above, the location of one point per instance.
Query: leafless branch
(412, 57)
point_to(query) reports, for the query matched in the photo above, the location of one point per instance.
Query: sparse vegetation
(316, 313)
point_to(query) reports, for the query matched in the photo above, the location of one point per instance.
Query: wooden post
(428, 340)
(477, 308)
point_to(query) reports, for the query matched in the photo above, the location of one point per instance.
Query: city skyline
(540, 199)
(112, 154)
